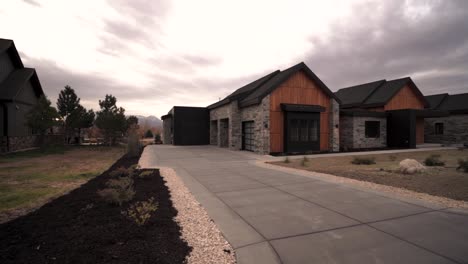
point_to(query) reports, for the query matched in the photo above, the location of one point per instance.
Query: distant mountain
(151, 121)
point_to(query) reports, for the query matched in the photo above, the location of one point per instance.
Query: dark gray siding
(6, 66)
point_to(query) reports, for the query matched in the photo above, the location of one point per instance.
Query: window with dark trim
(372, 129)
(439, 128)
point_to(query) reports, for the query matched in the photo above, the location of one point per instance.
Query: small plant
(144, 174)
(118, 190)
(140, 212)
(463, 165)
(392, 157)
(434, 160)
(363, 160)
(121, 172)
(286, 160)
(304, 161)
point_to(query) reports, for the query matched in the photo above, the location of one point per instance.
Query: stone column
(334, 126)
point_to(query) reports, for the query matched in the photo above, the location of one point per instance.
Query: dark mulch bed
(81, 228)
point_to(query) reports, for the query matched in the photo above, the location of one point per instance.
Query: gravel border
(198, 229)
(398, 192)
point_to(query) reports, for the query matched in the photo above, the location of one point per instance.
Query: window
(439, 128)
(372, 129)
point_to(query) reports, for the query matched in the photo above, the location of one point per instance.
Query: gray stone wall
(353, 133)
(346, 133)
(214, 132)
(167, 131)
(260, 114)
(222, 112)
(455, 130)
(334, 120)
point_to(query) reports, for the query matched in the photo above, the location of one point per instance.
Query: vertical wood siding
(298, 89)
(405, 99)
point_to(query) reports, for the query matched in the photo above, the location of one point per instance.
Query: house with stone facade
(19, 91)
(293, 111)
(285, 111)
(452, 128)
(383, 114)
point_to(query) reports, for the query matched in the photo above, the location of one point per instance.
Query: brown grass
(29, 180)
(443, 181)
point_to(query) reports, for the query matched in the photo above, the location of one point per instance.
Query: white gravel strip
(198, 229)
(398, 192)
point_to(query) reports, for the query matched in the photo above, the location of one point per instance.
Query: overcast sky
(153, 54)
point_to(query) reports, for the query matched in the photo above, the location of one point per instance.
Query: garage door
(248, 135)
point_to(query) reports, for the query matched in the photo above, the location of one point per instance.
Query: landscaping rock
(411, 166)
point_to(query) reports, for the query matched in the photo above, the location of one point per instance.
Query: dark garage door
(302, 132)
(248, 135)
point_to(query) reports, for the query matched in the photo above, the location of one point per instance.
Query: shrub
(363, 160)
(434, 160)
(140, 212)
(286, 160)
(304, 161)
(463, 165)
(121, 172)
(118, 190)
(392, 157)
(145, 174)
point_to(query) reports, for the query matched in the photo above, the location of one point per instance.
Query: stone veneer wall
(334, 126)
(25, 142)
(260, 114)
(455, 130)
(167, 133)
(353, 133)
(219, 113)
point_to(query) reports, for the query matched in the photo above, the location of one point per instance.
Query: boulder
(411, 166)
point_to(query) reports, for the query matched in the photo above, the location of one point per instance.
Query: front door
(248, 135)
(302, 132)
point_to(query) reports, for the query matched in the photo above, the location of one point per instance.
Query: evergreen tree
(67, 103)
(149, 133)
(42, 117)
(111, 119)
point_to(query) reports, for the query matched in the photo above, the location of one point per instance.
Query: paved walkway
(271, 216)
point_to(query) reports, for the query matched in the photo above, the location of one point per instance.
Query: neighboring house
(453, 128)
(19, 91)
(383, 114)
(186, 126)
(286, 111)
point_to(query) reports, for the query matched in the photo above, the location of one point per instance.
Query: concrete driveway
(270, 216)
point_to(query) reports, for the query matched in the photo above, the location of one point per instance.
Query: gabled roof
(454, 103)
(11, 87)
(435, 100)
(7, 45)
(355, 95)
(242, 92)
(375, 94)
(254, 92)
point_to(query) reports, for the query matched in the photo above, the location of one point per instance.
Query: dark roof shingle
(10, 87)
(435, 100)
(376, 93)
(357, 94)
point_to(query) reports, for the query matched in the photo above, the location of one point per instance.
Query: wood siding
(298, 89)
(406, 98)
(419, 130)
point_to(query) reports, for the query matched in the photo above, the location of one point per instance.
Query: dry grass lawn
(443, 181)
(30, 179)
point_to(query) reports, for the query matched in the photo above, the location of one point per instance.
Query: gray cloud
(384, 42)
(32, 2)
